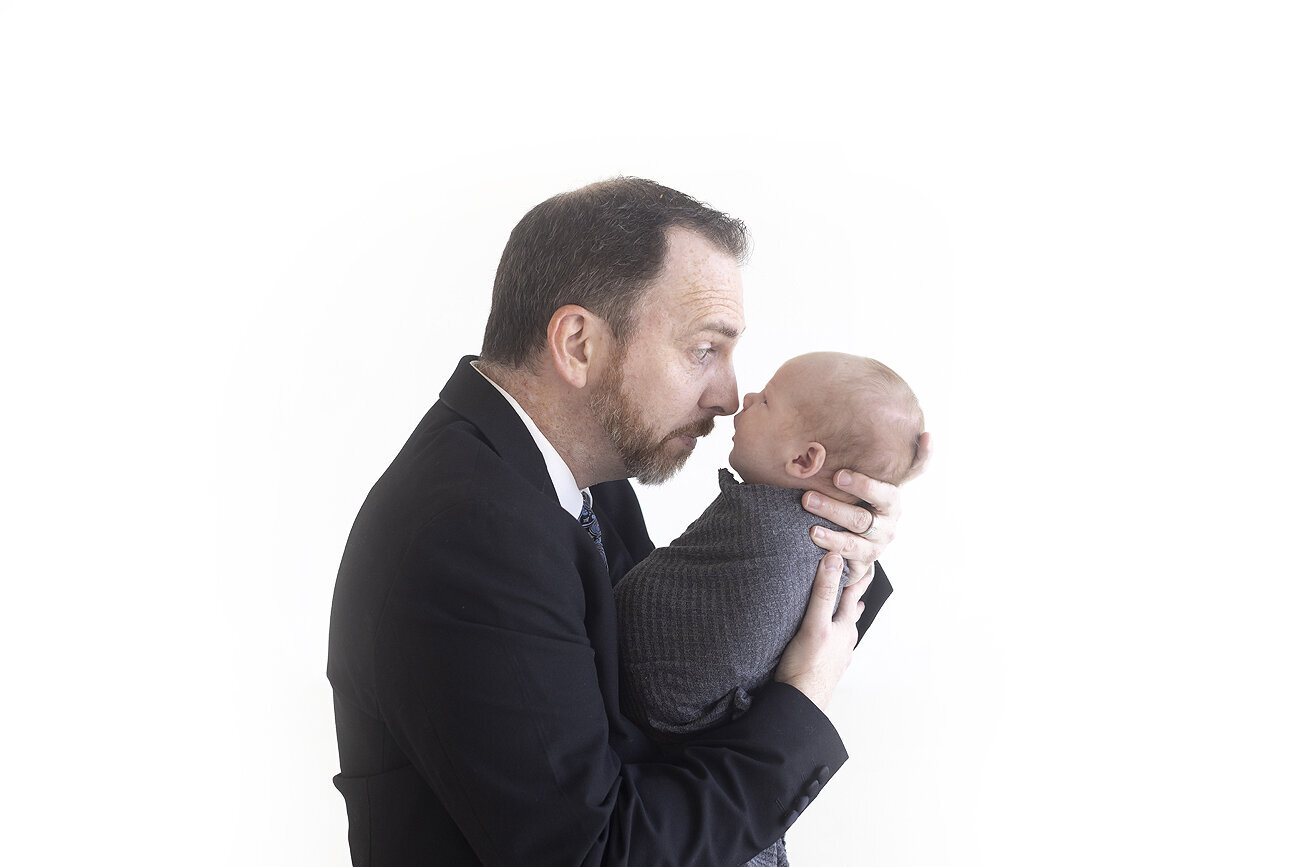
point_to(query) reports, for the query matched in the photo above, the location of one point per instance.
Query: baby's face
(769, 430)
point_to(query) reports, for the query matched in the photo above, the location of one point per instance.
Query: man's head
(620, 304)
(823, 412)
(667, 381)
(597, 247)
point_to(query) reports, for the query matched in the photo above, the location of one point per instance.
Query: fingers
(851, 604)
(860, 570)
(852, 547)
(826, 589)
(815, 659)
(881, 496)
(853, 518)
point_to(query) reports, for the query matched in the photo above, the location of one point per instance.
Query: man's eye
(702, 352)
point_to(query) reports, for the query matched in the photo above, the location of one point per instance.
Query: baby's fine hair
(867, 418)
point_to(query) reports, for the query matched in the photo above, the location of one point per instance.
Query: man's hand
(817, 656)
(871, 528)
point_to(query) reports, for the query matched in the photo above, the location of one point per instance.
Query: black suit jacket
(474, 664)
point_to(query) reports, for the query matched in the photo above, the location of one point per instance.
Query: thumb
(826, 589)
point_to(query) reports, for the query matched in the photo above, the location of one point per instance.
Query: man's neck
(562, 417)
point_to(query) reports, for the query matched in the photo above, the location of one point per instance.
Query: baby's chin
(738, 467)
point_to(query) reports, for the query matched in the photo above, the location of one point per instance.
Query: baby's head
(823, 412)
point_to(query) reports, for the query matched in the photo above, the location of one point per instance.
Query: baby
(703, 622)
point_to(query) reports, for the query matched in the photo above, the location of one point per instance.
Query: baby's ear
(808, 462)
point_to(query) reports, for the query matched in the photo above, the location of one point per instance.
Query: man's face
(674, 374)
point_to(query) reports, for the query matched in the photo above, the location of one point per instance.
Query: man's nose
(723, 398)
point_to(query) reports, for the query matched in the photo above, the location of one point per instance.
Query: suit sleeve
(488, 680)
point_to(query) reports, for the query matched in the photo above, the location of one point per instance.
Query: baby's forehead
(819, 370)
(832, 383)
(815, 389)
(814, 364)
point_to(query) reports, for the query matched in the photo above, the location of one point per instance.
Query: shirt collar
(566, 487)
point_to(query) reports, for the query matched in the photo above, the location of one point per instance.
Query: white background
(243, 244)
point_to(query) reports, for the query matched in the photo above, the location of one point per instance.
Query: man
(472, 641)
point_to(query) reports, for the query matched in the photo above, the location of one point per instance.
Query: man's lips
(691, 433)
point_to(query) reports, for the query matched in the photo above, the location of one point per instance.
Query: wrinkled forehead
(698, 289)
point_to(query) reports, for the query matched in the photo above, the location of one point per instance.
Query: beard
(647, 456)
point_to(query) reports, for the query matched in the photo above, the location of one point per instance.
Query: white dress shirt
(566, 487)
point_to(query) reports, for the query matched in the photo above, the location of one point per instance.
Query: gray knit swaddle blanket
(703, 622)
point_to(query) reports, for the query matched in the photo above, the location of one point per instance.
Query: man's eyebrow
(726, 329)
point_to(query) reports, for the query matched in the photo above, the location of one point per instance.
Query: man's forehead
(707, 313)
(701, 288)
(708, 302)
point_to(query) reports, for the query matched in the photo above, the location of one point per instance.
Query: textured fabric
(703, 622)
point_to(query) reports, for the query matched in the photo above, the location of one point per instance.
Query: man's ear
(573, 338)
(808, 462)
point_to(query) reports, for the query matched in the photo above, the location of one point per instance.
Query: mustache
(699, 429)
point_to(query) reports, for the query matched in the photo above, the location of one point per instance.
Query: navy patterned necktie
(587, 518)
